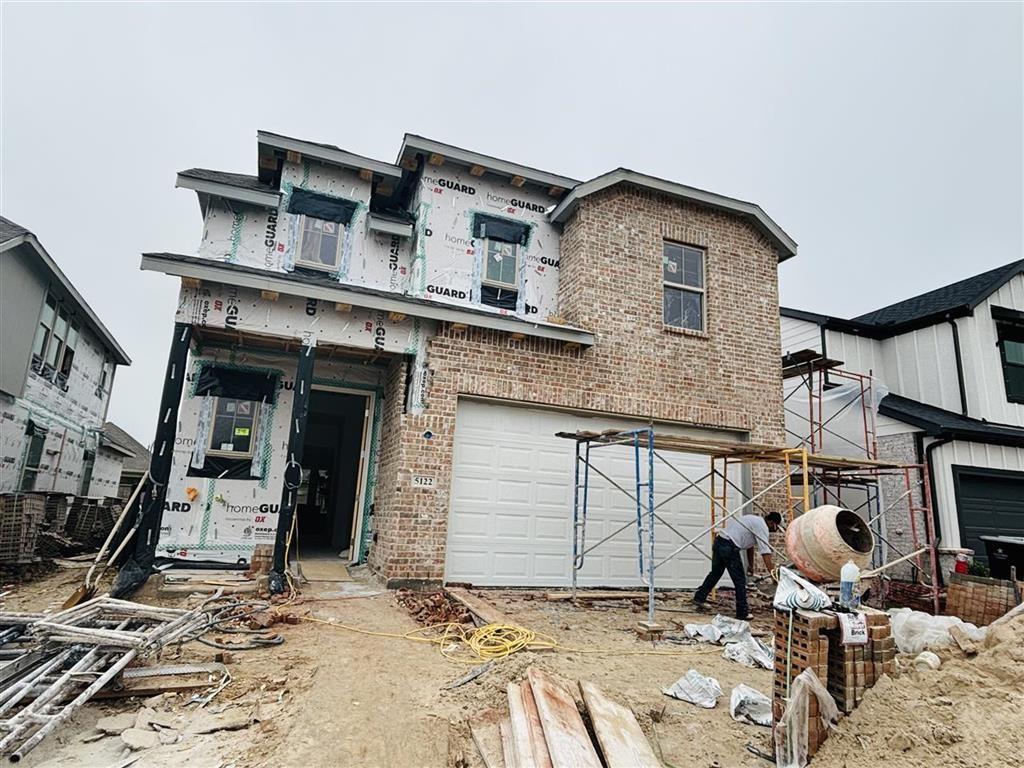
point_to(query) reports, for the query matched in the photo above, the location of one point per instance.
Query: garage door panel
(989, 504)
(512, 472)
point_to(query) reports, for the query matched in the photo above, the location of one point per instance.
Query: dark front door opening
(331, 469)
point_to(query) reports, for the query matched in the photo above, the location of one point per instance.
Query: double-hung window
(233, 427)
(501, 264)
(53, 351)
(502, 243)
(1011, 350)
(320, 243)
(683, 286)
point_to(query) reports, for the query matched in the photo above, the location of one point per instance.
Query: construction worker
(741, 533)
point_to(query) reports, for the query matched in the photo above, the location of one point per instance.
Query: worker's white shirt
(748, 531)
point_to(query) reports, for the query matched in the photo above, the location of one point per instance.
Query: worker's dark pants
(726, 556)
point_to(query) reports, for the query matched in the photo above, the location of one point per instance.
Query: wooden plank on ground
(622, 742)
(566, 736)
(480, 608)
(596, 594)
(508, 744)
(487, 737)
(965, 643)
(540, 746)
(520, 726)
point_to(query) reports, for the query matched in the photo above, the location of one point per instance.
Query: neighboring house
(136, 458)
(414, 334)
(56, 372)
(953, 362)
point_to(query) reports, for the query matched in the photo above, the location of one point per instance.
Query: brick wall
(610, 283)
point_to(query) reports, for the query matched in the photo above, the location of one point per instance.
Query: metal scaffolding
(805, 476)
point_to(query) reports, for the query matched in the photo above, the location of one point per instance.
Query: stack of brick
(20, 518)
(981, 600)
(847, 671)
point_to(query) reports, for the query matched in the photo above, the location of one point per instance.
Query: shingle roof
(241, 180)
(9, 230)
(966, 293)
(140, 461)
(938, 422)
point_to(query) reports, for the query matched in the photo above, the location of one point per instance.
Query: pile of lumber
(544, 728)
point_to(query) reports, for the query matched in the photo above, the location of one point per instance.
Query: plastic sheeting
(307, 203)
(916, 631)
(749, 705)
(495, 228)
(842, 415)
(695, 688)
(791, 730)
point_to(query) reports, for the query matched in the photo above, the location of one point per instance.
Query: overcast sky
(886, 139)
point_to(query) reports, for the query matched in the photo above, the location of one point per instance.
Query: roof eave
(786, 246)
(215, 273)
(493, 164)
(106, 336)
(328, 155)
(229, 191)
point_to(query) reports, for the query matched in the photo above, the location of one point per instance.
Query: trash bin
(1003, 553)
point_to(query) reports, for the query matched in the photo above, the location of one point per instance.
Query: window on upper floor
(53, 351)
(499, 285)
(1011, 351)
(683, 286)
(320, 244)
(322, 223)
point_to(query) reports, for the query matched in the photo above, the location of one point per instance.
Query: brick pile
(20, 518)
(846, 670)
(981, 600)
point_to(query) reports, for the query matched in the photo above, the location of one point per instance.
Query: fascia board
(212, 273)
(493, 164)
(251, 196)
(710, 199)
(378, 224)
(334, 156)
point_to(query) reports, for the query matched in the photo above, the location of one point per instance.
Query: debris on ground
(749, 705)
(695, 688)
(428, 608)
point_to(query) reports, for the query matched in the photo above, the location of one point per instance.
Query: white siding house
(952, 360)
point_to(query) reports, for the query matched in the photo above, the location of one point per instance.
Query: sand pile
(968, 713)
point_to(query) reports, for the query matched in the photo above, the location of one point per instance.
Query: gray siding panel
(21, 298)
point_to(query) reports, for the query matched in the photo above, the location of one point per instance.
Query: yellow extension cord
(494, 641)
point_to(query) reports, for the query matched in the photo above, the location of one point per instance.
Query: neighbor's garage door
(989, 505)
(511, 503)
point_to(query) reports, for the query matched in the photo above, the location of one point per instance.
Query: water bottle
(849, 586)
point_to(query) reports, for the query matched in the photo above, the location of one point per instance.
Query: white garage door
(510, 518)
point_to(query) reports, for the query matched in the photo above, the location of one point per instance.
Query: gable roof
(138, 460)
(962, 295)
(950, 301)
(938, 422)
(761, 220)
(13, 235)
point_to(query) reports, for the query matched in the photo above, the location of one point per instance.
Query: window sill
(685, 332)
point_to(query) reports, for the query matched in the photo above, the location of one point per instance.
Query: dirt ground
(336, 697)
(329, 696)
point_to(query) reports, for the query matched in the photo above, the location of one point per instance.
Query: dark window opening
(1011, 352)
(502, 298)
(34, 456)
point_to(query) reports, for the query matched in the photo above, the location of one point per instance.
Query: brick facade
(728, 377)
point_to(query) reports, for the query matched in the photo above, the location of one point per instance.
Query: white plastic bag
(794, 591)
(751, 652)
(696, 689)
(722, 630)
(791, 730)
(705, 633)
(916, 631)
(749, 705)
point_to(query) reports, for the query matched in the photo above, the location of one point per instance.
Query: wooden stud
(191, 282)
(459, 326)
(556, 191)
(365, 174)
(435, 159)
(518, 336)
(518, 181)
(384, 189)
(293, 157)
(270, 295)
(268, 162)
(341, 307)
(396, 317)
(409, 164)
(477, 170)
(572, 345)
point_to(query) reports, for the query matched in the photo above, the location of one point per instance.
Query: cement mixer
(820, 542)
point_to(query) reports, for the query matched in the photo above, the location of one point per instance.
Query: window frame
(702, 291)
(1005, 329)
(484, 280)
(68, 342)
(300, 262)
(212, 451)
